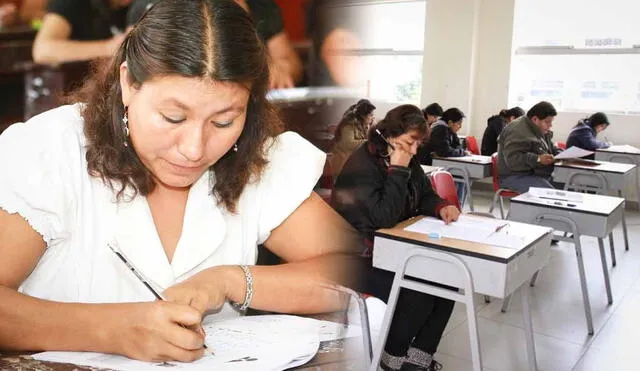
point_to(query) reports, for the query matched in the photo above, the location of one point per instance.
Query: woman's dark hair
(203, 39)
(396, 122)
(598, 118)
(452, 114)
(542, 110)
(354, 116)
(511, 112)
(434, 109)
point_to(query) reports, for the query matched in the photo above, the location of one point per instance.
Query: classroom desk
(430, 169)
(622, 154)
(615, 175)
(594, 216)
(470, 168)
(344, 354)
(496, 271)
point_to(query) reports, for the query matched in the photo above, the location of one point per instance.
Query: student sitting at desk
(432, 113)
(381, 185)
(175, 158)
(526, 150)
(351, 133)
(444, 142)
(583, 135)
(495, 124)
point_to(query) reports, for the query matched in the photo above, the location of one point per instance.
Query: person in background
(174, 156)
(286, 67)
(335, 28)
(432, 113)
(444, 141)
(526, 150)
(583, 135)
(351, 133)
(80, 30)
(495, 124)
(381, 185)
(15, 11)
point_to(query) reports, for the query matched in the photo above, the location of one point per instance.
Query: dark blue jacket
(583, 136)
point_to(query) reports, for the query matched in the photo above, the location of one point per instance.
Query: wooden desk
(469, 168)
(595, 216)
(496, 271)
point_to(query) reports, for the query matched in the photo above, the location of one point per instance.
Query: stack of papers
(555, 194)
(572, 152)
(270, 342)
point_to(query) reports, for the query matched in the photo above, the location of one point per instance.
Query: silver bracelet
(248, 295)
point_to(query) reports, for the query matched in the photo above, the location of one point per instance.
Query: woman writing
(175, 159)
(381, 185)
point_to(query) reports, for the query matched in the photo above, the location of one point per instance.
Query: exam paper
(572, 152)
(554, 194)
(271, 342)
(624, 148)
(466, 228)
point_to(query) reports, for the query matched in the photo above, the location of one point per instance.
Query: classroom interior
(480, 56)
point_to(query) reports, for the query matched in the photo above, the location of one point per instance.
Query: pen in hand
(145, 282)
(385, 140)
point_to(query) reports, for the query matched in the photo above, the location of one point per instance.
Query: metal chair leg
(613, 250)
(501, 207)
(605, 271)
(583, 284)
(505, 304)
(534, 278)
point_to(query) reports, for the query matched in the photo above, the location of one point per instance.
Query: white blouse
(44, 178)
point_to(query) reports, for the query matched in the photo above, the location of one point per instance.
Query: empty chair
(561, 145)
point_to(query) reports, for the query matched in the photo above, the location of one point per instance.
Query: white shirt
(44, 178)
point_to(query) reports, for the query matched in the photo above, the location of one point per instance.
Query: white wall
(467, 65)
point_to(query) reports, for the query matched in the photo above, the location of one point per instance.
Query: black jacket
(495, 124)
(583, 136)
(444, 142)
(371, 195)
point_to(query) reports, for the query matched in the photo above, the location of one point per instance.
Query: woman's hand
(155, 331)
(449, 214)
(203, 292)
(399, 154)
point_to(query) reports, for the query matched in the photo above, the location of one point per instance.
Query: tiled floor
(561, 338)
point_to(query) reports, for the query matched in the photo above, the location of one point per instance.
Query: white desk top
(430, 169)
(530, 234)
(472, 159)
(590, 204)
(625, 149)
(601, 166)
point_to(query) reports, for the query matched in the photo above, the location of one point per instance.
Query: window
(392, 47)
(581, 55)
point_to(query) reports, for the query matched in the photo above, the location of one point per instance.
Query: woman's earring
(235, 147)
(125, 126)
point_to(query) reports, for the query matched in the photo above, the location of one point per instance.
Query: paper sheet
(272, 342)
(624, 148)
(555, 194)
(466, 228)
(572, 152)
